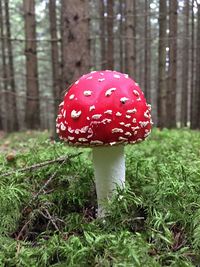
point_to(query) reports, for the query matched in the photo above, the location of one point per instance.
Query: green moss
(153, 222)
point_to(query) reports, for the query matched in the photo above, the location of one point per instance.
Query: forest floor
(48, 211)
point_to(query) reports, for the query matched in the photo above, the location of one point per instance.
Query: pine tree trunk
(185, 58)
(121, 30)
(171, 90)
(4, 98)
(147, 55)
(110, 43)
(162, 64)
(1, 110)
(75, 39)
(136, 41)
(14, 126)
(93, 47)
(129, 42)
(102, 34)
(197, 80)
(192, 106)
(1, 118)
(32, 117)
(57, 87)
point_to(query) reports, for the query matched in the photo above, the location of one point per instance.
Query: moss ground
(155, 221)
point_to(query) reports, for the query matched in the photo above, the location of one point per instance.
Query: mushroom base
(109, 170)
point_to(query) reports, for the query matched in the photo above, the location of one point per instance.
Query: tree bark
(14, 126)
(1, 118)
(196, 123)
(162, 64)
(147, 55)
(4, 98)
(185, 58)
(75, 39)
(110, 42)
(129, 42)
(32, 116)
(171, 90)
(102, 34)
(198, 69)
(192, 67)
(193, 91)
(121, 31)
(57, 87)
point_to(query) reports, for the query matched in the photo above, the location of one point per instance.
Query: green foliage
(153, 222)
(11, 199)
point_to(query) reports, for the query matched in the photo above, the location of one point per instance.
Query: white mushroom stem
(109, 170)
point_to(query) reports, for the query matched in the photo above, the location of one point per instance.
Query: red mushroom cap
(104, 108)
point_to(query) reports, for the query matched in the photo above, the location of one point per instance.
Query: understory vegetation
(48, 213)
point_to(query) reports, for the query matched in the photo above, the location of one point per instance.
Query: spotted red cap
(104, 108)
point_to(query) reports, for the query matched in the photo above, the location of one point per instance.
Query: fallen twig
(23, 229)
(49, 217)
(40, 165)
(63, 161)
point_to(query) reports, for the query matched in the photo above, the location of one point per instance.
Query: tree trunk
(162, 64)
(14, 126)
(171, 90)
(136, 41)
(185, 58)
(75, 39)
(147, 55)
(110, 43)
(196, 123)
(129, 42)
(32, 116)
(4, 72)
(121, 31)
(1, 110)
(57, 87)
(5, 96)
(102, 34)
(1, 118)
(192, 102)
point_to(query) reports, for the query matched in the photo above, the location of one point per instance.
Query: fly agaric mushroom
(105, 110)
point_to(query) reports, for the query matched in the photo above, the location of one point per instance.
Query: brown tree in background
(57, 85)
(4, 96)
(192, 96)
(121, 30)
(171, 85)
(161, 99)
(102, 33)
(12, 111)
(110, 35)
(197, 84)
(147, 53)
(195, 123)
(32, 117)
(185, 66)
(129, 42)
(192, 65)
(75, 39)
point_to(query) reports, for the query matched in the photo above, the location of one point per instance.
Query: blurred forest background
(45, 45)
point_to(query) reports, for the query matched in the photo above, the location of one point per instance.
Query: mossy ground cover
(155, 221)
